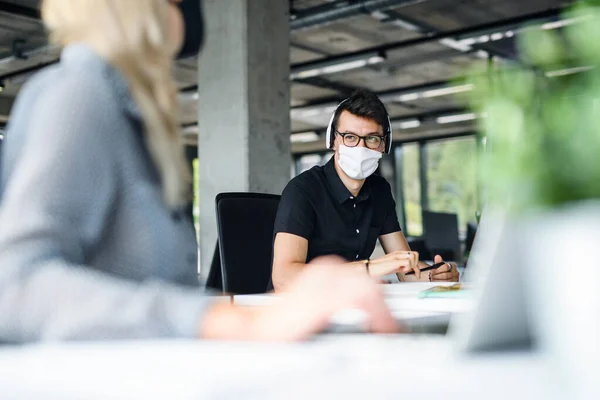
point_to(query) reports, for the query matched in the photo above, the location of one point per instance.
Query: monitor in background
(441, 234)
(470, 238)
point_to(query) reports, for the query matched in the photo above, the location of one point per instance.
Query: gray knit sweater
(88, 249)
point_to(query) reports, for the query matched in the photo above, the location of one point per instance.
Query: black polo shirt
(318, 207)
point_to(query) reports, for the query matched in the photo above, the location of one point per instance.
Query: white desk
(363, 367)
(330, 366)
(401, 298)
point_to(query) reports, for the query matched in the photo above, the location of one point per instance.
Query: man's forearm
(285, 275)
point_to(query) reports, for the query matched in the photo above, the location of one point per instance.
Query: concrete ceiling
(433, 61)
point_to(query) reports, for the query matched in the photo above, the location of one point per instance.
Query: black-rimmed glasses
(352, 140)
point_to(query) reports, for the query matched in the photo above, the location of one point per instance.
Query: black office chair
(418, 245)
(441, 234)
(214, 281)
(245, 226)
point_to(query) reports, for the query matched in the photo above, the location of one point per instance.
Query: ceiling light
(375, 59)
(311, 112)
(468, 42)
(497, 36)
(405, 25)
(487, 37)
(304, 137)
(334, 69)
(380, 15)
(553, 25)
(455, 44)
(188, 96)
(407, 124)
(313, 69)
(450, 119)
(1, 137)
(448, 90)
(563, 22)
(190, 130)
(408, 97)
(568, 71)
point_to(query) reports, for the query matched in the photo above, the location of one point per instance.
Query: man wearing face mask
(342, 208)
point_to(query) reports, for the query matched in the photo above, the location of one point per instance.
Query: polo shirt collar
(338, 189)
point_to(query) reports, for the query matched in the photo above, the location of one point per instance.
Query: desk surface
(330, 366)
(401, 298)
(351, 366)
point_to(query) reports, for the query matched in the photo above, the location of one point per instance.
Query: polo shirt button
(357, 256)
(351, 197)
(357, 231)
(355, 206)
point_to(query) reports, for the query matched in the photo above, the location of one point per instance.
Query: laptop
(497, 318)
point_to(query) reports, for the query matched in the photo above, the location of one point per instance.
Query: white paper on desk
(429, 305)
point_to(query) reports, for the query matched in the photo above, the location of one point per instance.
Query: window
(411, 185)
(307, 161)
(452, 178)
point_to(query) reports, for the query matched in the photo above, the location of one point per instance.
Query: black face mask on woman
(194, 27)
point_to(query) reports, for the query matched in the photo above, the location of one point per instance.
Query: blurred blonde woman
(93, 241)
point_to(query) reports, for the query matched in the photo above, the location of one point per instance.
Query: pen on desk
(428, 268)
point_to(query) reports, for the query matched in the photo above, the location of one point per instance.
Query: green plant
(542, 126)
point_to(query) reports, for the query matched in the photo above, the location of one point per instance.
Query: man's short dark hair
(364, 104)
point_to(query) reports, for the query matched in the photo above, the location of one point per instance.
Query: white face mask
(358, 162)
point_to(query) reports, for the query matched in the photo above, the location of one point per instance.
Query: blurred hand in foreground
(305, 308)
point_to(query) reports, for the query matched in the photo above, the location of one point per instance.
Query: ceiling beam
(20, 11)
(335, 11)
(342, 88)
(28, 70)
(423, 117)
(423, 28)
(327, 101)
(509, 23)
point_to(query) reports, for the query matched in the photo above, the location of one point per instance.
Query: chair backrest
(245, 224)
(214, 281)
(441, 234)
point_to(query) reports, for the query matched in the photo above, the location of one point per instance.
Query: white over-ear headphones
(387, 131)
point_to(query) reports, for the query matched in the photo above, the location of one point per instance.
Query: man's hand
(445, 273)
(398, 262)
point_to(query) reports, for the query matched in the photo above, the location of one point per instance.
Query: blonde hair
(133, 36)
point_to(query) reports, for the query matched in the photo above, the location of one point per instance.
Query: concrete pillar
(244, 126)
